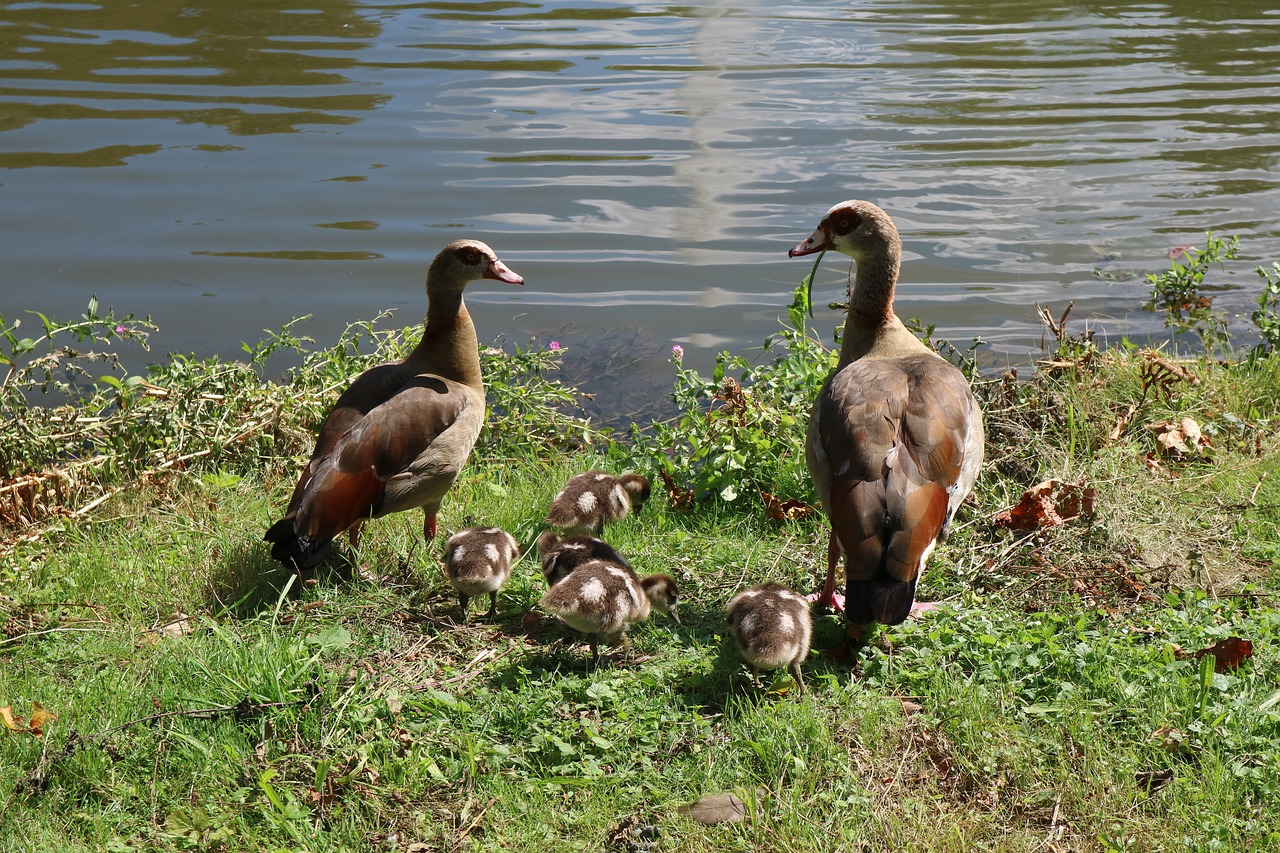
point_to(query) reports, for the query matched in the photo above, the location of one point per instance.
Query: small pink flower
(554, 346)
(677, 352)
(120, 330)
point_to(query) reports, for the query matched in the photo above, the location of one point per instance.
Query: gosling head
(637, 489)
(662, 594)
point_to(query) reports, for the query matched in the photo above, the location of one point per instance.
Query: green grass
(206, 700)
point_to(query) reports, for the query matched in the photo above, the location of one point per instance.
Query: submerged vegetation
(1100, 673)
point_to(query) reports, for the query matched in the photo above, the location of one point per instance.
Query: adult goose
(895, 438)
(398, 436)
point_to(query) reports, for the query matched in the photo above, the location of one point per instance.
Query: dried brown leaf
(1227, 654)
(678, 497)
(40, 717)
(1049, 504)
(786, 509)
(1180, 438)
(1123, 418)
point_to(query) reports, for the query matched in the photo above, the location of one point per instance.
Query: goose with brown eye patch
(398, 436)
(895, 437)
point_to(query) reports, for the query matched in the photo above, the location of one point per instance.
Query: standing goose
(398, 436)
(895, 437)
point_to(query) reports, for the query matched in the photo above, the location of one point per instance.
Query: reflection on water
(644, 166)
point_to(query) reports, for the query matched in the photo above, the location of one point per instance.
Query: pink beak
(501, 272)
(815, 242)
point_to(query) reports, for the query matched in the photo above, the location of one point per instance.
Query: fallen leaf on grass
(1049, 504)
(1168, 738)
(715, 808)
(1227, 654)
(1180, 438)
(178, 625)
(678, 498)
(1123, 417)
(40, 717)
(1153, 780)
(788, 509)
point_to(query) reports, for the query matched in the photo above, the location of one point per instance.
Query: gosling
(590, 501)
(771, 627)
(602, 599)
(560, 555)
(479, 560)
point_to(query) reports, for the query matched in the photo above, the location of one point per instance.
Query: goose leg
(429, 527)
(828, 599)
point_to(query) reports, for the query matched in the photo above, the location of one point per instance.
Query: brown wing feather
(370, 389)
(349, 482)
(892, 435)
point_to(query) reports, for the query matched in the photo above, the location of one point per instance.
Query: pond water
(227, 166)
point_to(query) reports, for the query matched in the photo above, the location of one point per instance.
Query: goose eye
(470, 255)
(847, 223)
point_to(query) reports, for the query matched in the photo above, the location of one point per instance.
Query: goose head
(854, 228)
(463, 261)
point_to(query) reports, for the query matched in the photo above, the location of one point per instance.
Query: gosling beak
(676, 616)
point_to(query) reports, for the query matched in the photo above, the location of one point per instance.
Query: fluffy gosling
(771, 627)
(602, 599)
(590, 501)
(560, 555)
(479, 560)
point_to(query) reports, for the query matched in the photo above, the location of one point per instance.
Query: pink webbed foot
(832, 600)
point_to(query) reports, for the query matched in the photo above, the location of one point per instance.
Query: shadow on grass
(250, 582)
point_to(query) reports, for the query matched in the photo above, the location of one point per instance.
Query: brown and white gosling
(479, 560)
(560, 555)
(602, 599)
(771, 627)
(591, 500)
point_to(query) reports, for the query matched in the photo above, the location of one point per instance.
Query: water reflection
(644, 166)
(237, 65)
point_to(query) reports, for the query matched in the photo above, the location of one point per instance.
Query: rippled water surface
(227, 166)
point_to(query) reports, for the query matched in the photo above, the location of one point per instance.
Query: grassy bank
(1062, 697)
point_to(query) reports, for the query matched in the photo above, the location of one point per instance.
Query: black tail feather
(878, 600)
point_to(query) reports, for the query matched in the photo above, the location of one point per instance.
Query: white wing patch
(592, 591)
